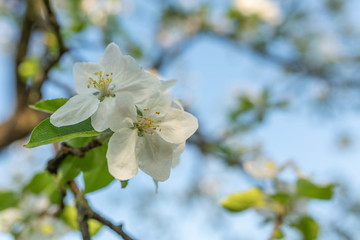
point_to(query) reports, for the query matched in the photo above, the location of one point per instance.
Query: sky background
(210, 74)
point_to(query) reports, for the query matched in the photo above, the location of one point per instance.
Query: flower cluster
(150, 130)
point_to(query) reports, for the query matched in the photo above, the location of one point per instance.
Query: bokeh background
(267, 79)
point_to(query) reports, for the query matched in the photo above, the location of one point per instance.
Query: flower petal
(82, 72)
(167, 84)
(77, 109)
(177, 104)
(113, 60)
(177, 126)
(178, 149)
(123, 113)
(134, 80)
(156, 157)
(121, 154)
(100, 119)
(157, 103)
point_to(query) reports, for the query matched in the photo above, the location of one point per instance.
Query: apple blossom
(147, 136)
(99, 84)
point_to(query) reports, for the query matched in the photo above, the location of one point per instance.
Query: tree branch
(65, 150)
(82, 210)
(24, 119)
(277, 225)
(85, 213)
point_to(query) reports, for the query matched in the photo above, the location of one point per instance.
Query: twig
(82, 210)
(85, 213)
(65, 150)
(116, 228)
(278, 223)
(24, 119)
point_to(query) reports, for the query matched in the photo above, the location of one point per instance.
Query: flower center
(103, 84)
(145, 124)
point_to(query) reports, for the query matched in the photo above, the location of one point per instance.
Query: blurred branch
(277, 225)
(85, 213)
(25, 119)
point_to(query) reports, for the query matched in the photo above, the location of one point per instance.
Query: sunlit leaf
(69, 216)
(306, 188)
(308, 227)
(49, 106)
(46, 133)
(237, 202)
(8, 199)
(28, 68)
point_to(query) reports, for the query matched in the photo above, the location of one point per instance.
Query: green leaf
(237, 202)
(44, 182)
(69, 215)
(49, 106)
(308, 227)
(124, 183)
(8, 199)
(306, 188)
(46, 133)
(281, 197)
(68, 169)
(278, 234)
(98, 176)
(28, 68)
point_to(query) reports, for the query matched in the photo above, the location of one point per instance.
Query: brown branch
(277, 225)
(24, 119)
(85, 213)
(116, 228)
(82, 210)
(65, 150)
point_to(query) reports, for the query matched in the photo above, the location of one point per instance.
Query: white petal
(100, 119)
(77, 109)
(167, 84)
(82, 72)
(178, 149)
(177, 126)
(121, 156)
(157, 103)
(131, 64)
(113, 60)
(156, 157)
(123, 113)
(140, 84)
(177, 104)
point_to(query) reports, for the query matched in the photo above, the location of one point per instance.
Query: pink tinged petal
(123, 113)
(113, 61)
(82, 72)
(156, 157)
(177, 126)
(121, 155)
(178, 149)
(100, 119)
(77, 109)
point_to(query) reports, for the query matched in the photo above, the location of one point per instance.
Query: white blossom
(99, 84)
(267, 10)
(147, 136)
(261, 168)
